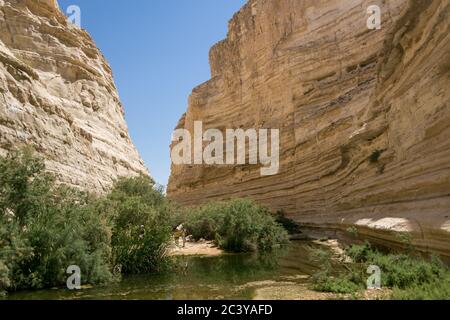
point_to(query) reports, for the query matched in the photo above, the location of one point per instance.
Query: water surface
(230, 276)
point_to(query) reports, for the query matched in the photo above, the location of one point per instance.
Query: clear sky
(158, 50)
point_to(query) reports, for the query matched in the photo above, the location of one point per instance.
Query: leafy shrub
(203, 222)
(326, 279)
(142, 229)
(237, 226)
(439, 290)
(352, 232)
(45, 228)
(13, 250)
(403, 271)
(360, 253)
(410, 276)
(337, 285)
(399, 270)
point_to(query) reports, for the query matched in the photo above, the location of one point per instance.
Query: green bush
(45, 228)
(337, 285)
(399, 270)
(203, 222)
(142, 227)
(360, 253)
(14, 249)
(237, 226)
(439, 290)
(352, 232)
(403, 271)
(410, 276)
(330, 278)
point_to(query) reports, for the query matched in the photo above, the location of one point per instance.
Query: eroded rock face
(364, 115)
(57, 93)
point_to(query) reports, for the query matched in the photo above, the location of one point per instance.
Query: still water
(230, 276)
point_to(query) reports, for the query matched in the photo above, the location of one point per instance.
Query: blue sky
(158, 50)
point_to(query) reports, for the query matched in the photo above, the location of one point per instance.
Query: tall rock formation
(57, 93)
(364, 115)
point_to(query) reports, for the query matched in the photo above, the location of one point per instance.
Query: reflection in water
(229, 276)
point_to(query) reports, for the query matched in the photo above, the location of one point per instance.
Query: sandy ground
(336, 248)
(205, 248)
(294, 291)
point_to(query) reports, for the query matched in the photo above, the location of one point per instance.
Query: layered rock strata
(57, 93)
(364, 116)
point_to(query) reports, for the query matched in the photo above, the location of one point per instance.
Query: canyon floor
(203, 248)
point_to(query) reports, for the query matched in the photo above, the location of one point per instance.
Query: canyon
(58, 95)
(364, 117)
(363, 114)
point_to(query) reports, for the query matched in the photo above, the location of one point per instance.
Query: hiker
(180, 231)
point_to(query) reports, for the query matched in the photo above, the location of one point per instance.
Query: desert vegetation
(46, 227)
(237, 226)
(408, 274)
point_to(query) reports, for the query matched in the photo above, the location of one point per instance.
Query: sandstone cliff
(364, 115)
(57, 93)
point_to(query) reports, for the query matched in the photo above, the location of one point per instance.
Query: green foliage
(45, 228)
(142, 228)
(24, 187)
(203, 222)
(14, 249)
(399, 270)
(435, 290)
(337, 285)
(410, 276)
(403, 271)
(352, 231)
(237, 226)
(326, 279)
(359, 253)
(406, 239)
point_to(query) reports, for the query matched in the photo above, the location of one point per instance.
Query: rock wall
(364, 116)
(57, 94)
